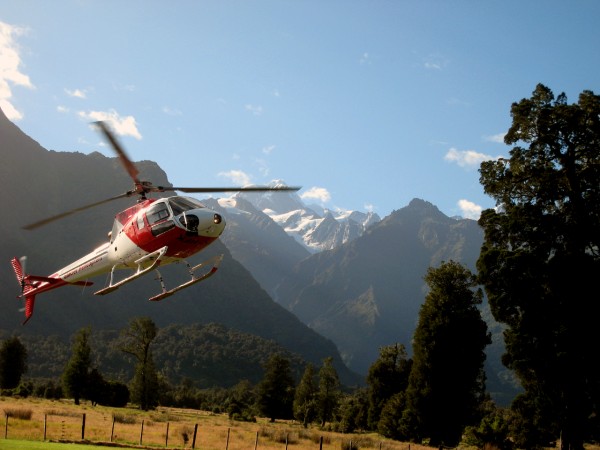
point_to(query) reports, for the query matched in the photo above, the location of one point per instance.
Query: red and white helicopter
(152, 233)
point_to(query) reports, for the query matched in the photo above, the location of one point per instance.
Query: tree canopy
(540, 260)
(13, 362)
(447, 382)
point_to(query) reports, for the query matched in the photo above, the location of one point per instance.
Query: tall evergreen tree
(75, 375)
(540, 261)
(447, 381)
(329, 391)
(13, 362)
(276, 390)
(135, 341)
(305, 399)
(387, 376)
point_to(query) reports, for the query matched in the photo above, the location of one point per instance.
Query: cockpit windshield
(182, 204)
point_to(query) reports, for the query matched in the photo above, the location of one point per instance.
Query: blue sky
(365, 104)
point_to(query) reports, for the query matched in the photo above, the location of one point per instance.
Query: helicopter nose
(211, 224)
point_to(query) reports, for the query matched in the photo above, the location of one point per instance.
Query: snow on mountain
(316, 228)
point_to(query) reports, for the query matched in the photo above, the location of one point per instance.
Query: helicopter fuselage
(181, 224)
(172, 228)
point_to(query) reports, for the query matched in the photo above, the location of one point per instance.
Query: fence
(121, 430)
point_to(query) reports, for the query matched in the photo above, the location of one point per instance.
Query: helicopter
(152, 233)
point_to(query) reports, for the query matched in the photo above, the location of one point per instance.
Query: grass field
(31, 419)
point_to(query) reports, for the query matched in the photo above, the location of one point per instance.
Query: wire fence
(121, 430)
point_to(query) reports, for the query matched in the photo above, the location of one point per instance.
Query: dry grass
(63, 421)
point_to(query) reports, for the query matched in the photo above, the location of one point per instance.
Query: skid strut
(213, 262)
(153, 259)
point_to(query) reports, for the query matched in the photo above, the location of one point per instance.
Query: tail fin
(18, 267)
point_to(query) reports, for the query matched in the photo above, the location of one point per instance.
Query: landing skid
(214, 261)
(154, 257)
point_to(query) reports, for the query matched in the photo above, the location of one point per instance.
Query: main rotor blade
(233, 189)
(127, 163)
(73, 211)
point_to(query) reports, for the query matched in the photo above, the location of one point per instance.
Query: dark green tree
(276, 390)
(329, 391)
(305, 399)
(447, 380)
(540, 261)
(135, 341)
(353, 411)
(13, 362)
(75, 375)
(387, 376)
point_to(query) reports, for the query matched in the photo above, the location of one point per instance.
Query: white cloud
(256, 110)
(263, 166)
(236, 176)
(498, 138)
(78, 93)
(171, 111)
(469, 209)
(268, 149)
(435, 62)
(467, 158)
(364, 59)
(316, 193)
(123, 126)
(10, 74)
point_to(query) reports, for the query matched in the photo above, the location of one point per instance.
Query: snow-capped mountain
(316, 228)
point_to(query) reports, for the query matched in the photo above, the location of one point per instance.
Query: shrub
(22, 414)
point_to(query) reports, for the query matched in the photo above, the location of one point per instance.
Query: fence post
(226, 444)
(6, 426)
(83, 427)
(112, 430)
(142, 432)
(167, 436)
(194, 438)
(256, 441)
(321, 443)
(45, 425)
(286, 440)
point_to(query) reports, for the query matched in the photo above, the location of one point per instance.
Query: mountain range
(319, 283)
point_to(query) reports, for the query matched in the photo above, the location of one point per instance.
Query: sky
(365, 104)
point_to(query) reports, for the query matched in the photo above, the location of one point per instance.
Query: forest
(537, 268)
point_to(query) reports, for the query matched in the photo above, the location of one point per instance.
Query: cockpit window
(157, 213)
(182, 204)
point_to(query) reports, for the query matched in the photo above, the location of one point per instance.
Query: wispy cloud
(497, 138)
(10, 72)
(236, 176)
(435, 62)
(467, 158)
(77, 93)
(123, 126)
(364, 59)
(256, 110)
(316, 193)
(469, 209)
(268, 149)
(171, 111)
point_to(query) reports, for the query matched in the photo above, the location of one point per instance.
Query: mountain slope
(35, 183)
(367, 293)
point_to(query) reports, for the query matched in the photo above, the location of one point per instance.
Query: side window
(140, 221)
(157, 213)
(156, 216)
